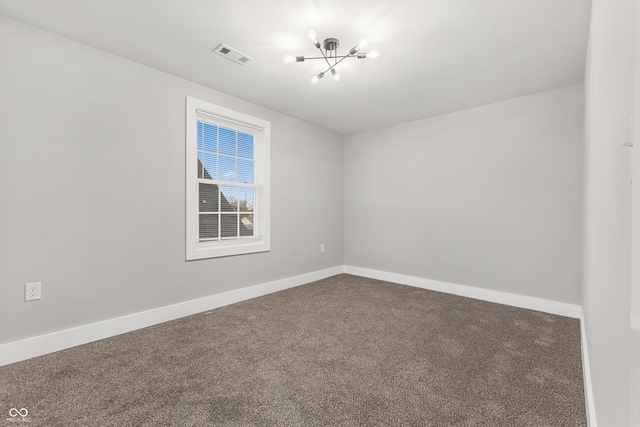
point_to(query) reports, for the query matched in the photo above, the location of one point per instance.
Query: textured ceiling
(437, 56)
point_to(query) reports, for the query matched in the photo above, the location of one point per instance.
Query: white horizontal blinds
(226, 179)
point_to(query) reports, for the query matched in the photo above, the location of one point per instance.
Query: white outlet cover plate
(32, 291)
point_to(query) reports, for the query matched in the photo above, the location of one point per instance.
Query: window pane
(246, 196)
(245, 171)
(200, 169)
(210, 137)
(229, 199)
(208, 198)
(228, 170)
(208, 226)
(209, 162)
(227, 141)
(245, 145)
(246, 225)
(200, 135)
(229, 225)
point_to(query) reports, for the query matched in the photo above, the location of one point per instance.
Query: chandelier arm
(342, 59)
(334, 65)
(325, 57)
(321, 57)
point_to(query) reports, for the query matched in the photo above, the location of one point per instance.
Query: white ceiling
(438, 56)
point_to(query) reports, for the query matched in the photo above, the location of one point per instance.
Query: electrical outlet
(32, 291)
(321, 247)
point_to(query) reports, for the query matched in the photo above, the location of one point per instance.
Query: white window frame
(261, 241)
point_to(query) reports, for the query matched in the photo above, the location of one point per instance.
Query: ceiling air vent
(232, 54)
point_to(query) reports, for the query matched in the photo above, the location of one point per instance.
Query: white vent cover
(232, 54)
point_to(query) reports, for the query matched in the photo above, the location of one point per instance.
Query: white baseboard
(531, 303)
(586, 374)
(37, 346)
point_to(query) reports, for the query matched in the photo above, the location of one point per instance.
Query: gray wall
(92, 189)
(488, 197)
(608, 101)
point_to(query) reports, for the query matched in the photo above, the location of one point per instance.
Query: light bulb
(317, 77)
(334, 73)
(314, 37)
(374, 54)
(287, 59)
(363, 44)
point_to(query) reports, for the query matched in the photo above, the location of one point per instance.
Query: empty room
(319, 212)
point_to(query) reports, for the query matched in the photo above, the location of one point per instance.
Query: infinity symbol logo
(13, 412)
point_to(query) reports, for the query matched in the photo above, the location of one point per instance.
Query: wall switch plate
(321, 247)
(32, 291)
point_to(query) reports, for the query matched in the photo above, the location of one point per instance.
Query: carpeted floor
(344, 351)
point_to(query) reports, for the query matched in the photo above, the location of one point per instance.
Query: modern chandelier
(330, 55)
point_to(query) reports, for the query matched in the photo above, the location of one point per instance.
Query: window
(227, 182)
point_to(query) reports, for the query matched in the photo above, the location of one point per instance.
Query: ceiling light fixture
(330, 55)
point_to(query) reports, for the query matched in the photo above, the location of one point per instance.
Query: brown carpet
(344, 351)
